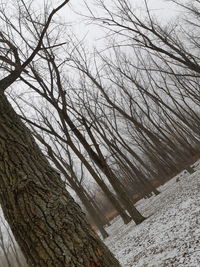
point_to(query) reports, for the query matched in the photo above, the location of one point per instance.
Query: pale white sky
(164, 10)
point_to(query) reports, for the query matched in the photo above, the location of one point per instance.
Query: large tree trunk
(46, 222)
(81, 193)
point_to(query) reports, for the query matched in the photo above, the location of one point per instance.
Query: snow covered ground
(170, 236)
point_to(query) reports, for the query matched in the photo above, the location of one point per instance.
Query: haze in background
(164, 11)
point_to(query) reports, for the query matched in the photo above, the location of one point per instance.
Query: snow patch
(170, 236)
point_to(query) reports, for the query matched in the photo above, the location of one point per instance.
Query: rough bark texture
(46, 222)
(78, 188)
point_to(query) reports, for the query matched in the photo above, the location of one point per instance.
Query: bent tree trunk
(46, 222)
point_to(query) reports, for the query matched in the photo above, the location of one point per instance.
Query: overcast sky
(163, 9)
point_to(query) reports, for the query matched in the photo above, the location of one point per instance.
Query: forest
(89, 128)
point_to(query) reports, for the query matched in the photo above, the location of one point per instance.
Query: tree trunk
(103, 166)
(46, 222)
(104, 219)
(116, 204)
(81, 193)
(122, 194)
(92, 212)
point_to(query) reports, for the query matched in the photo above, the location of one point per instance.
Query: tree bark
(46, 222)
(78, 188)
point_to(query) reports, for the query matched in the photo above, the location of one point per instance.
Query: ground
(170, 236)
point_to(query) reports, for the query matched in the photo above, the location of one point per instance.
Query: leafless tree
(46, 222)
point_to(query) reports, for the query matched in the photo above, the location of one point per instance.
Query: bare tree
(46, 222)
(58, 99)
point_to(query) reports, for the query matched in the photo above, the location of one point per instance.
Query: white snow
(170, 236)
